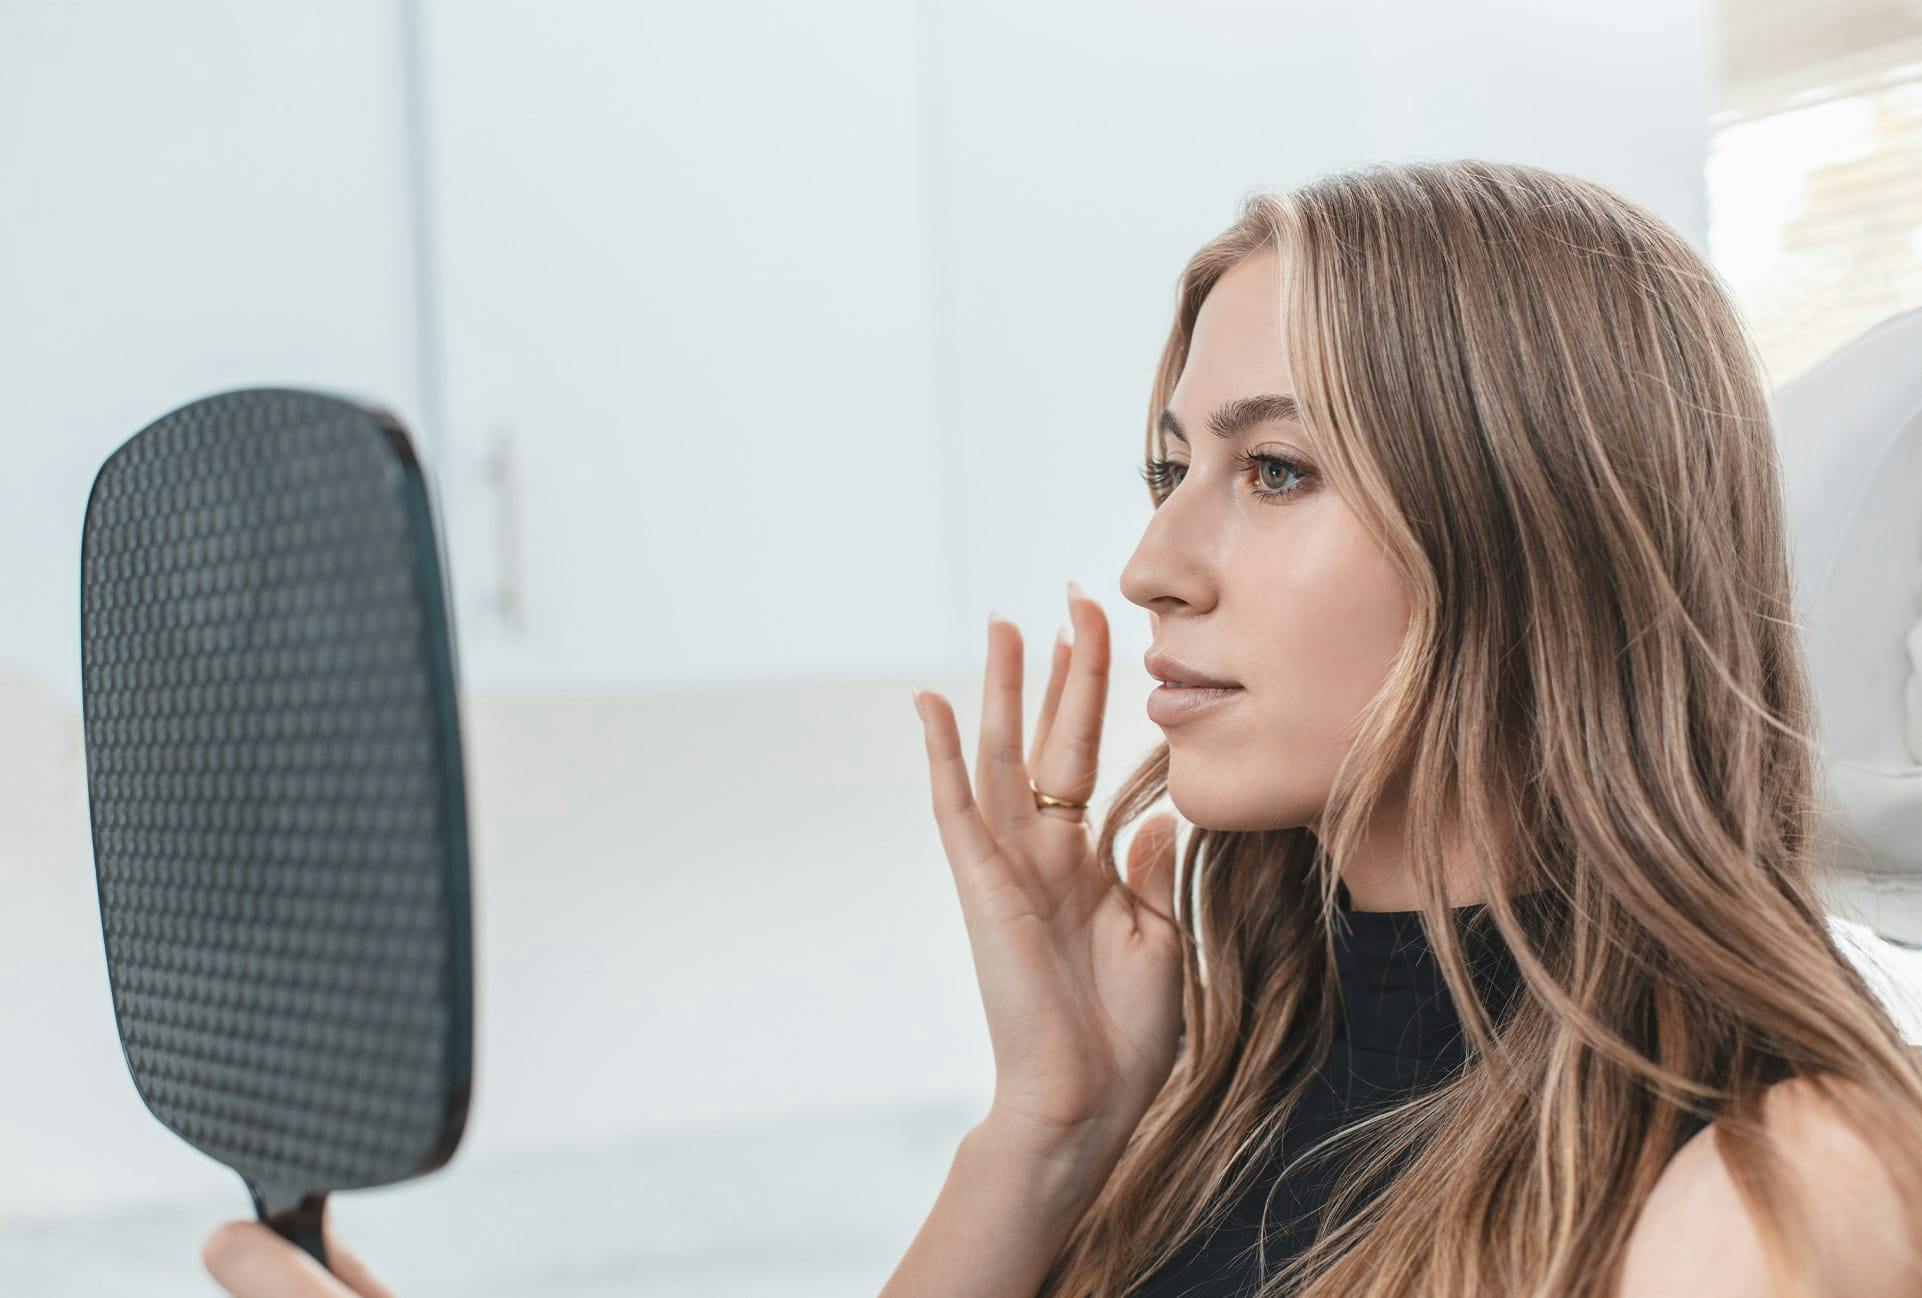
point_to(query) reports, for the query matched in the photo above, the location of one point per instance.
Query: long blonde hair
(1539, 398)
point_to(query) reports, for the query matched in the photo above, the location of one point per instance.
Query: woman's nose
(1168, 566)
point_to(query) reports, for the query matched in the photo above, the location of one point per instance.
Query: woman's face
(1288, 597)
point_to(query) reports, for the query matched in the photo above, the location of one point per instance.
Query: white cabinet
(685, 342)
(195, 196)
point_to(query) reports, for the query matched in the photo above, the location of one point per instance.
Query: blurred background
(757, 351)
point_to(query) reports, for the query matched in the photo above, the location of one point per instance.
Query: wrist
(1061, 1171)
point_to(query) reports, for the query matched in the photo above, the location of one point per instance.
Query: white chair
(1850, 437)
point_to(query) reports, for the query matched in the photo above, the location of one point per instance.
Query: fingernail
(917, 705)
(1075, 592)
(1061, 637)
(993, 617)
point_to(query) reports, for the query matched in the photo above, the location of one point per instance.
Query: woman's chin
(1208, 800)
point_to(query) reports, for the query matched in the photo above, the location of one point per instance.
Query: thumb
(250, 1259)
(1151, 865)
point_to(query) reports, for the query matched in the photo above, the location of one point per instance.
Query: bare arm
(1001, 1217)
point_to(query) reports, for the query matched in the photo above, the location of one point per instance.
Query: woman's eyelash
(1159, 475)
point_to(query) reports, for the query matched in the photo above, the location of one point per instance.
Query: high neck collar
(1395, 998)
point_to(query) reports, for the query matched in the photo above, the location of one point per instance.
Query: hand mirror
(275, 793)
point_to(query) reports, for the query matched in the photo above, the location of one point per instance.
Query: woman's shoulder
(1859, 1225)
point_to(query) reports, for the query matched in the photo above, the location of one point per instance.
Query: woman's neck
(1397, 893)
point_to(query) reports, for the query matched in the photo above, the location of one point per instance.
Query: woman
(1499, 965)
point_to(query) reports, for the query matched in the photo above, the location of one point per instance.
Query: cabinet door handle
(502, 474)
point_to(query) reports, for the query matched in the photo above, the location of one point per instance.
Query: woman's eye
(1160, 476)
(1272, 482)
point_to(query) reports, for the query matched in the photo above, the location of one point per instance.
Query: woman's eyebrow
(1233, 418)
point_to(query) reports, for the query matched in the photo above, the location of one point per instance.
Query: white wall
(715, 898)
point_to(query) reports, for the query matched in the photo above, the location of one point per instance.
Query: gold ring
(1043, 800)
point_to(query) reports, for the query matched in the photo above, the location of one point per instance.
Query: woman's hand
(251, 1261)
(1082, 990)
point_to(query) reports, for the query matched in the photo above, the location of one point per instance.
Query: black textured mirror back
(276, 793)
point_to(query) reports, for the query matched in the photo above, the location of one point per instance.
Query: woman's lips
(1170, 705)
(1164, 666)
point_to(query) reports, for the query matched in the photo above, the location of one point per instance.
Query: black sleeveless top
(1400, 1035)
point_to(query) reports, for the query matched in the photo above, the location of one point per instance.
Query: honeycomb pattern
(273, 768)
